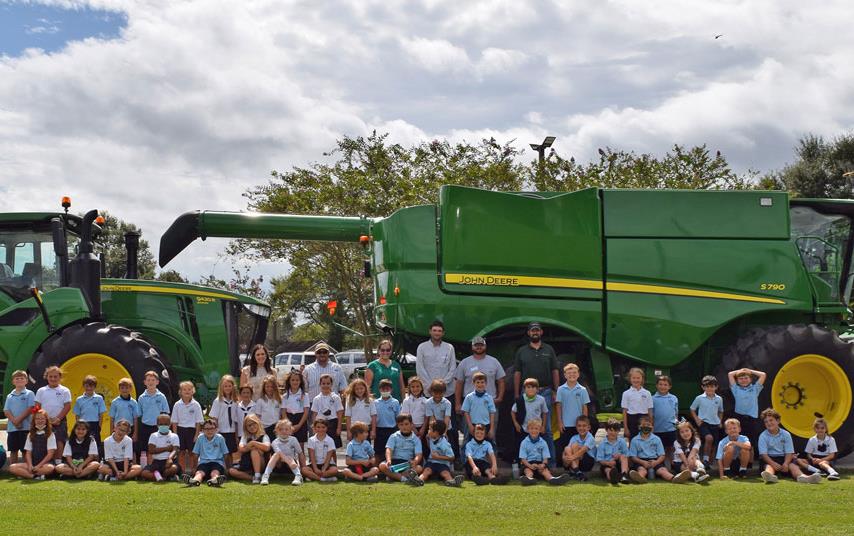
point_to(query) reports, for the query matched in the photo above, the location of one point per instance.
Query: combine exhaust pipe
(132, 248)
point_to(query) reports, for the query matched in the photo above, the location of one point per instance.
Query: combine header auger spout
(203, 224)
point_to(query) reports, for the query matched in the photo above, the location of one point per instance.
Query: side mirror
(60, 245)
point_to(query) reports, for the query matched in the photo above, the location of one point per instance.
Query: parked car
(285, 361)
(353, 362)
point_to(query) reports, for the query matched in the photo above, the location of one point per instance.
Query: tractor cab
(822, 231)
(27, 255)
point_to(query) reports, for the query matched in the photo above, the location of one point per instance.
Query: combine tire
(810, 370)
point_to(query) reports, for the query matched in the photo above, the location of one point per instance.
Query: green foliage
(115, 254)
(240, 282)
(172, 276)
(820, 168)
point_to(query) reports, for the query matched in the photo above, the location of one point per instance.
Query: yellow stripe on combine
(592, 284)
(164, 290)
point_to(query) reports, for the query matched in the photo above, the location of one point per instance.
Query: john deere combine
(56, 311)
(683, 283)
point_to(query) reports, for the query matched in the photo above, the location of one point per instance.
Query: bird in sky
(719, 36)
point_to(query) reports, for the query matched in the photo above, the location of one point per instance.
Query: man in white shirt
(435, 360)
(322, 365)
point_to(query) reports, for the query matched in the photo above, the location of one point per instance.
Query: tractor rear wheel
(106, 351)
(810, 370)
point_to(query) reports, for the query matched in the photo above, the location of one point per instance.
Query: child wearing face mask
(388, 408)
(163, 445)
(646, 453)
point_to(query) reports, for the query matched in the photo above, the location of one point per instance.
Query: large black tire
(127, 347)
(770, 348)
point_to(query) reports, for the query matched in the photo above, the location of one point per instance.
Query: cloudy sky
(150, 108)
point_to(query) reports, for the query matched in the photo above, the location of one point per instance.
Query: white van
(353, 362)
(284, 362)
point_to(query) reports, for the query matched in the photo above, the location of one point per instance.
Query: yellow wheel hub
(107, 370)
(810, 384)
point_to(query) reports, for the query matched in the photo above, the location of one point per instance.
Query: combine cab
(682, 283)
(55, 309)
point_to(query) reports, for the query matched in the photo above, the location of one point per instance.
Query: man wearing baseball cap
(323, 365)
(479, 361)
(538, 360)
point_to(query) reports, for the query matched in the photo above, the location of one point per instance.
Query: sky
(151, 108)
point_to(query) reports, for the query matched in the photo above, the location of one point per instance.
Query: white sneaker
(833, 476)
(297, 481)
(768, 477)
(811, 479)
(702, 478)
(328, 479)
(256, 480)
(265, 479)
(683, 476)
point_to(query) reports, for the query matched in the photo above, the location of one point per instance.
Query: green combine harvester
(55, 309)
(682, 283)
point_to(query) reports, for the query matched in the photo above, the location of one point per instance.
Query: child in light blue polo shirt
(745, 392)
(151, 404)
(125, 407)
(665, 414)
(707, 410)
(479, 408)
(403, 447)
(89, 407)
(579, 455)
(481, 464)
(361, 465)
(647, 456)
(734, 451)
(17, 409)
(213, 456)
(613, 454)
(534, 457)
(441, 458)
(778, 451)
(571, 402)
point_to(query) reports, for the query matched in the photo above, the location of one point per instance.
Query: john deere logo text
(493, 280)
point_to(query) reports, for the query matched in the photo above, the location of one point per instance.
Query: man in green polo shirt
(538, 360)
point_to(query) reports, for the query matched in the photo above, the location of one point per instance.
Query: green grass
(735, 507)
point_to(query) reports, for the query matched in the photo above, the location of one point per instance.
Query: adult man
(322, 365)
(434, 360)
(538, 360)
(479, 361)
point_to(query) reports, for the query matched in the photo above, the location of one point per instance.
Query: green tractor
(679, 283)
(56, 309)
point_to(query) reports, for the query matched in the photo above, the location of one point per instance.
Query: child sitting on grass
(613, 454)
(647, 456)
(80, 453)
(287, 452)
(403, 447)
(39, 448)
(481, 464)
(820, 451)
(734, 451)
(213, 456)
(163, 445)
(534, 457)
(578, 456)
(778, 452)
(686, 452)
(322, 463)
(118, 455)
(252, 450)
(441, 458)
(361, 465)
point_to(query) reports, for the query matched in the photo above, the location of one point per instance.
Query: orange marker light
(397, 291)
(99, 220)
(66, 201)
(331, 305)
(382, 300)
(364, 239)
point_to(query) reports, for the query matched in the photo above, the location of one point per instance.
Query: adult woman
(259, 367)
(385, 368)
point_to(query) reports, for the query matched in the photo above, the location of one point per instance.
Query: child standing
(55, 399)
(570, 403)
(296, 405)
(665, 412)
(528, 407)
(322, 463)
(252, 449)
(734, 451)
(388, 408)
(820, 451)
(124, 407)
(479, 408)
(186, 422)
(245, 408)
(441, 458)
(163, 445)
(534, 455)
(778, 452)
(80, 453)
(647, 456)
(39, 448)
(18, 410)
(152, 404)
(361, 463)
(707, 410)
(437, 407)
(89, 407)
(118, 455)
(360, 407)
(213, 457)
(415, 404)
(636, 403)
(481, 464)
(224, 412)
(327, 406)
(268, 407)
(287, 452)
(402, 447)
(579, 455)
(613, 454)
(686, 452)
(745, 392)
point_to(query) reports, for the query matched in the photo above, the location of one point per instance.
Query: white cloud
(197, 101)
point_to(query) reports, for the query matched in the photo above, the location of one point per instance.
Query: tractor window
(821, 241)
(26, 259)
(247, 326)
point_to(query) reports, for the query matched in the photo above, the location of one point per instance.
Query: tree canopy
(819, 170)
(115, 254)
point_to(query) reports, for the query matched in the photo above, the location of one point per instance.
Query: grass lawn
(726, 507)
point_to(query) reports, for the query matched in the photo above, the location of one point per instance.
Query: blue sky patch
(50, 28)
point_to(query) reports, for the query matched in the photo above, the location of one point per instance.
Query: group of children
(248, 439)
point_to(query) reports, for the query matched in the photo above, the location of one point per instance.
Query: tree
(368, 176)
(820, 168)
(115, 255)
(172, 276)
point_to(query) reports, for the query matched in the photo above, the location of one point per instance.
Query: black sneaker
(581, 476)
(742, 472)
(527, 481)
(480, 480)
(624, 478)
(560, 480)
(499, 481)
(613, 476)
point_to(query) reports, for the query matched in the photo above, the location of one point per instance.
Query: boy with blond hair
(571, 402)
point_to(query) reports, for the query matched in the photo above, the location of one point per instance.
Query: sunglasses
(322, 352)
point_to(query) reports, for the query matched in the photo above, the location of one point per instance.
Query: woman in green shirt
(385, 368)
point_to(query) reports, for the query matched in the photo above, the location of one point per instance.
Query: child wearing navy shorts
(665, 411)
(647, 456)
(388, 409)
(404, 446)
(162, 448)
(636, 403)
(578, 455)
(18, 410)
(707, 410)
(361, 463)
(213, 457)
(441, 458)
(481, 464)
(253, 449)
(152, 404)
(186, 422)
